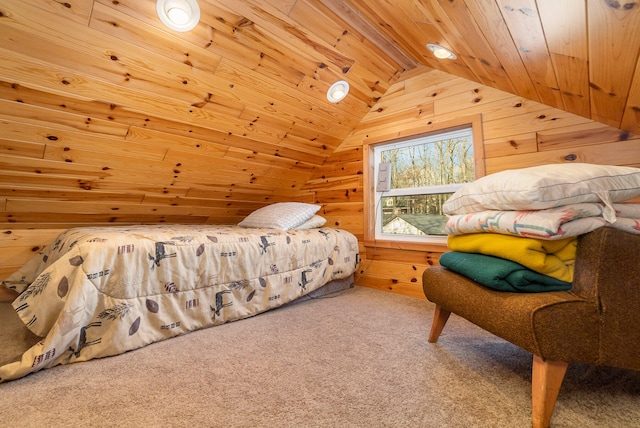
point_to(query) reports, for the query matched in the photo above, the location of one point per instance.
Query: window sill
(410, 246)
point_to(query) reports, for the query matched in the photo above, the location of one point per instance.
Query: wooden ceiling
(97, 95)
(577, 55)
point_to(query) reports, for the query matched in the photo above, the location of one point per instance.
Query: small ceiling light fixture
(338, 91)
(179, 15)
(441, 52)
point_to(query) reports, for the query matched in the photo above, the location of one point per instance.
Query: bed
(101, 291)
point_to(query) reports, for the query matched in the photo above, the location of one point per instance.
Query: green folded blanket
(500, 274)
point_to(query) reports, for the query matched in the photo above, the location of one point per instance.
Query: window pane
(414, 215)
(425, 170)
(431, 163)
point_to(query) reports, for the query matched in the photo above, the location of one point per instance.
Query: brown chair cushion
(595, 322)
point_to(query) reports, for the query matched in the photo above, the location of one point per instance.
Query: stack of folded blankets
(517, 230)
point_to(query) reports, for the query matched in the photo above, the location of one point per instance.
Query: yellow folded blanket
(555, 258)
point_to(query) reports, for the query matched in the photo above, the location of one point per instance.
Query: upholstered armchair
(596, 322)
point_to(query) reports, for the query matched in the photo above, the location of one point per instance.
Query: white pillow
(281, 215)
(547, 186)
(312, 223)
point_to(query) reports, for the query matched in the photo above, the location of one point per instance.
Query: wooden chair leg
(547, 377)
(440, 318)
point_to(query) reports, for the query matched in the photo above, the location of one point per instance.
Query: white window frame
(373, 147)
(466, 131)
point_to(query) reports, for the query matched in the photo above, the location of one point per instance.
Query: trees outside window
(426, 170)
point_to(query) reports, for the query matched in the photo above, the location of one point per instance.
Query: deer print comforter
(101, 291)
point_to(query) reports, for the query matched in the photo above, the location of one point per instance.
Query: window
(425, 170)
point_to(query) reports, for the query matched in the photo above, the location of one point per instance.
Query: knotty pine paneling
(612, 62)
(517, 133)
(528, 33)
(107, 117)
(17, 246)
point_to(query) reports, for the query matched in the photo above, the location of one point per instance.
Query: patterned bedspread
(101, 291)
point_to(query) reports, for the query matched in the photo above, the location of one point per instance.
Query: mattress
(101, 291)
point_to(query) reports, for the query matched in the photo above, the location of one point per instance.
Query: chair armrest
(607, 273)
(607, 263)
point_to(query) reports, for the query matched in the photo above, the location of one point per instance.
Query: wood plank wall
(517, 133)
(106, 118)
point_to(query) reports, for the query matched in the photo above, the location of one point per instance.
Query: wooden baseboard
(7, 295)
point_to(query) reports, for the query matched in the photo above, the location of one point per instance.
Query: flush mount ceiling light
(441, 52)
(338, 91)
(179, 15)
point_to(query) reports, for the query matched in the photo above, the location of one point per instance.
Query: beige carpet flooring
(358, 359)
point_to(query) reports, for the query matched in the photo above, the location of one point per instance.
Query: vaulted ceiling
(577, 55)
(91, 90)
(271, 61)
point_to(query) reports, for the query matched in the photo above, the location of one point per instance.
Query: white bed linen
(101, 291)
